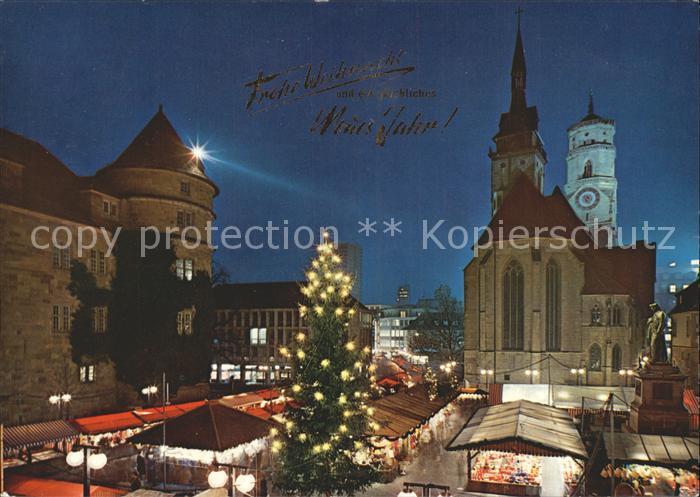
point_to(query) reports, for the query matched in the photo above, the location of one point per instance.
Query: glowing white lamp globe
(217, 479)
(97, 461)
(74, 458)
(54, 399)
(245, 483)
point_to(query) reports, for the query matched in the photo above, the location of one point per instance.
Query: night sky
(83, 79)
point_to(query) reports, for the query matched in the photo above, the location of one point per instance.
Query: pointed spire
(518, 72)
(590, 101)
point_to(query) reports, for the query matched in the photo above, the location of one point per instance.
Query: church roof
(158, 146)
(525, 207)
(608, 271)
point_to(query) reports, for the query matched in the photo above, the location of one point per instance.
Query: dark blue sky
(83, 79)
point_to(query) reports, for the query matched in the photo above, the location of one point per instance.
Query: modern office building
(351, 262)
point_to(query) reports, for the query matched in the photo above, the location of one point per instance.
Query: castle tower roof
(159, 146)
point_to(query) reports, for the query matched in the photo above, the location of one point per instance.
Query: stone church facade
(542, 303)
(156, 182)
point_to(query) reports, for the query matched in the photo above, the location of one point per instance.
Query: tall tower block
(591, 186)
(519, 148)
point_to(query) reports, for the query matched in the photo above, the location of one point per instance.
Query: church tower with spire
(519, 148)
(591, 186)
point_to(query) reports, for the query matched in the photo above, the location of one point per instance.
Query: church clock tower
(591, 186)
(519, 148)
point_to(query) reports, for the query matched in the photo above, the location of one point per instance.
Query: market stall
(653, 464)
(199, 439)
(521, 448)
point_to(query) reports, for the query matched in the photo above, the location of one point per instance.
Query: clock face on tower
(587, 198)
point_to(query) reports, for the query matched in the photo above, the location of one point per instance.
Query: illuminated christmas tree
(432, 383)
(324, 449)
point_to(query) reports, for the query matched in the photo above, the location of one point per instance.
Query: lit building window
(93, 261)
(184, 322)
(184, 268)
(594, 357)
(258, 336)
(596, 315)
(87, 373)
(672, 288)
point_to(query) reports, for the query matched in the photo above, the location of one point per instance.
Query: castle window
(513, 307)
(105, 206)
(184, 269)
(55, 318)
(65, 258)
(596, 316)
(87, 373)
(56, 257)
(103, 263)
(588, 169)
(594, 358)
(93, 261)
(616, 358)
(66, 319)
(99, 319)
(112, 209)
(185, 187)
(184, 322)
(553, 319)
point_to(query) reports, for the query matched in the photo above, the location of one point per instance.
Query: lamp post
(60, 400)
(531, 373)
(488, 373)
(148, 391)
(89, 460)
(625, 373)
(220, 478)
(579, 373)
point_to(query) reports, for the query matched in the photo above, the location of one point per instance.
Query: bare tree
(438, 332)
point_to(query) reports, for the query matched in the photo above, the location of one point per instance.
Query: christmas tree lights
(323, 449)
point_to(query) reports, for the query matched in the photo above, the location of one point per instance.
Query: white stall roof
(664, 450)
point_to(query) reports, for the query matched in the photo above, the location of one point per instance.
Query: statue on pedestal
(656, 338)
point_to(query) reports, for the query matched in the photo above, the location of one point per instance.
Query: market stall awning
(37, 434)
(523, 427)
(242, 400)
(213, 426)
(41, 487)
(108, 423)
(402, 412)
(156, 414)
(658, 450)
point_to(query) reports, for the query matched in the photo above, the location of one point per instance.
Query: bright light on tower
(199, 152)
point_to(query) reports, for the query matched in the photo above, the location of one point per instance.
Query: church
(554, 307)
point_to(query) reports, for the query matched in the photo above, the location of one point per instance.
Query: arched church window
(594, 358)
(553, 317)
(616, 358)
(513, 307)
(596, 315)
(588, 169)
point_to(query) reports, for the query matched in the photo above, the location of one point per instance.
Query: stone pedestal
(658, 401)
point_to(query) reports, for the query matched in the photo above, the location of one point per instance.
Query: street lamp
(580, 372)
(148, 391)
(89, 460)
(59, 400)
(626, 373)
(531, 373)
(487, 373)
(219, 478)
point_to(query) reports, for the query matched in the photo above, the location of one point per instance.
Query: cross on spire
(590, 101)
(518, 12)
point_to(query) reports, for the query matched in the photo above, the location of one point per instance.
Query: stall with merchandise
(521, 448)
(652, 464)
